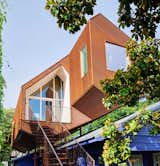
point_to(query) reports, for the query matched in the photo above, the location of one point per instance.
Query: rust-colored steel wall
(102, 31)
(79, 85)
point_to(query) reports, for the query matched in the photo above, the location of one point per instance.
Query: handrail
(66, 130)
(50, 144)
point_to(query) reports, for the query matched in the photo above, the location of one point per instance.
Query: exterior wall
(102, 31)
(78, 84)
(97, 32)
(18, 116)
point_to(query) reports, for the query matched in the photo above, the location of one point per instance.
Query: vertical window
(34, 107)
(116, 57)
(156, 159)
(136, 160)
(84, 62)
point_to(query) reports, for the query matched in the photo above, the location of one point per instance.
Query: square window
(116, 57)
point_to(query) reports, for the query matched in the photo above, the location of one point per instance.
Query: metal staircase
(50, 142)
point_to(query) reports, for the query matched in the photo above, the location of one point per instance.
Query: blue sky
(32, 41)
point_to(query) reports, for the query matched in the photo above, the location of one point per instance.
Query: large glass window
(115, 57)
(84, 61)
(47, 101)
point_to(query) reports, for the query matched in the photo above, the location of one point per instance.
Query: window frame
(156, 156)
(107, 56)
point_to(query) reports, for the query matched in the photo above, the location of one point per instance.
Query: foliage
(114, 115)
(141, 78)
(71, 14)
(5, 133)
(142, 16)
(2, 19)
(116, 149)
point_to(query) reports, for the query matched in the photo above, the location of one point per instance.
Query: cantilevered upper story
(69, 91)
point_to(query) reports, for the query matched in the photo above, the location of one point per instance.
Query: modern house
(68, 95)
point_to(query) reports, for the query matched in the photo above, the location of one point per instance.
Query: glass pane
(47, 110)
(34, 109)
(36, 93)
(47, 90)
(59, 90)
(116, 57)
(156, 159)
(84, 65)
(136, 160)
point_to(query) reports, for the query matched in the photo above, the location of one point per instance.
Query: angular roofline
(107, 20)
(40, 75)
(52, 67)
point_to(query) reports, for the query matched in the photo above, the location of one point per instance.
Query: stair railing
(49, 143)
(46, 140)
(76, 153)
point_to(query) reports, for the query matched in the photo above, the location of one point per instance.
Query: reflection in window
(47, 90)
(47, 100)
(59, 96)
(115, 57)
(59, 91)
(34, 107)
(136, 160)
(47, 110)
